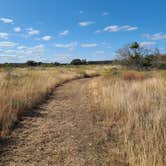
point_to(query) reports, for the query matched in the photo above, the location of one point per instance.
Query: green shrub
(162, 66)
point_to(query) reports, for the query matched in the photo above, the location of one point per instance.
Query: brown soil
(62, 132)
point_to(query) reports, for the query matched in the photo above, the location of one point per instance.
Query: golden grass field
(131, 104)
(24, 88)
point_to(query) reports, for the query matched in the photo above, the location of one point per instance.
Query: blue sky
(60, 30)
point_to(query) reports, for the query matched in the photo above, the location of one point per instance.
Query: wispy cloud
(162, 49)
(21, 47)
(64, 33)
(156, 36)
(32, 31)
(81, 12)
(106, 45)
(21, 53)
(147, 44)
(31, 50)
(4, 35)
(17, 29)
(116, 28)
(35, 50)
(46, 38)
(97, 31)
(65, 58)
(69, 46)
(6, 20)
(105, 14)
(99, 52)
(88, 45)
(86, 23)
(7, 44)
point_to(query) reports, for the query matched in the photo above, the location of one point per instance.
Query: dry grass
(129, 105)
(134, 75)
(23, 89)
(136, 111)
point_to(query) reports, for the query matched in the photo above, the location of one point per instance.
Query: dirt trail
(61, 132)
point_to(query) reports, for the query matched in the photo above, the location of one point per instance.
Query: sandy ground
(62, 132)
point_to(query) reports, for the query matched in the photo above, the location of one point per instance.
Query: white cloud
(35, 50)
(156, 36)
(113, 28)
(32, 31)
(70, 46)
(97, 31)
(22, 53)
(130, 28)
(6, 20)
(6, 44)
(21, 47)
(88, 45)
(99, 52)
(4, 35)
(17, 29)
(86, 23)
(147, 44)
(64, 33)
(46, 38)
(105, 14)
(116, 28)
(9, 52)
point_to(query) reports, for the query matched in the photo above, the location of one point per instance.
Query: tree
(135, 46)
(148, 61)
(137, 56)
(84, 61)
(31, 63)
(78, 62)
(124, 55)
(56, 63)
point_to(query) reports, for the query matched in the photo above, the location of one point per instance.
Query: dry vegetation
(23, 89)
(133, 109)
(130, 106)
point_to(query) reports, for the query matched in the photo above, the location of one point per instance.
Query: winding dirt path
(62, 132)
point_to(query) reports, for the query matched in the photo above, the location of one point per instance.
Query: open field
(24, 88)
(82, 83)
(132, 105)
(115, 119)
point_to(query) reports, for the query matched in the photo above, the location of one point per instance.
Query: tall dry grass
(135, 109)
(23, 89)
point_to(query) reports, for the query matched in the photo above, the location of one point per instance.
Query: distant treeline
(43, 64)
(149, 61)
